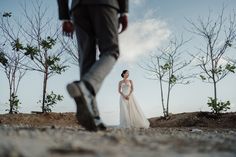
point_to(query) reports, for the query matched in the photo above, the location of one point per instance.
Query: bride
(131, 115)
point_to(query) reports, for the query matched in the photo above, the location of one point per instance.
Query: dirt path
(23, 141)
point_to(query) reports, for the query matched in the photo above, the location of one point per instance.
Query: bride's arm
(119, 89)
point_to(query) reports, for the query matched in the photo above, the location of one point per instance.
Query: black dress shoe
(84, 102)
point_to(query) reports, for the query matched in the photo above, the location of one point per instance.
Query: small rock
(53, 127)
(232, 132)
(196, 130)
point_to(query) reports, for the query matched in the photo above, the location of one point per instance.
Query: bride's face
(126, 75)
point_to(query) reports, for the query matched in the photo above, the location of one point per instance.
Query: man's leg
(87, 111)
(105, 23)
(87, 54)
(85, 38)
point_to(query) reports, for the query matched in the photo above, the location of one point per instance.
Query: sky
(152, 23)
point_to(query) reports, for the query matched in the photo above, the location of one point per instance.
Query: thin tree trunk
(162, 95)
(10, 97)
(168, 95)
(45, 80)
(11, 106)
(213, 68)
(10, 101)
(12, 94)
(44, 89)
(215, 92)
(168, 99)
(162, 98)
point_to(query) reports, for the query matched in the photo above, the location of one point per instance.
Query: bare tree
(39, 43)
(167, 66)
(218, 35)
(11, 60)
(42, 47)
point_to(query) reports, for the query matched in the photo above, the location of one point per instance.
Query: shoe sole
(83, 115)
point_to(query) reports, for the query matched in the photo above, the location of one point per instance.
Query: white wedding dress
(131, 115)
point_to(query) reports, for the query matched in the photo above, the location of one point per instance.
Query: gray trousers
(96, 25)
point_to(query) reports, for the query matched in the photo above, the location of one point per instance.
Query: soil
(196, 134)
(196, 119)
(191, 119)
(41, 119)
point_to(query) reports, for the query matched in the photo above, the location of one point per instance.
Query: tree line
(33, 43)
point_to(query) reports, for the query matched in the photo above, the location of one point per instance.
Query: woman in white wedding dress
(131, 115)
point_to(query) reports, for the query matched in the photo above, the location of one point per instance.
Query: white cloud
(142, 37)
(137, 1)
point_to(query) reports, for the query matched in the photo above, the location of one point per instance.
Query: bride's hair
(123, 72)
